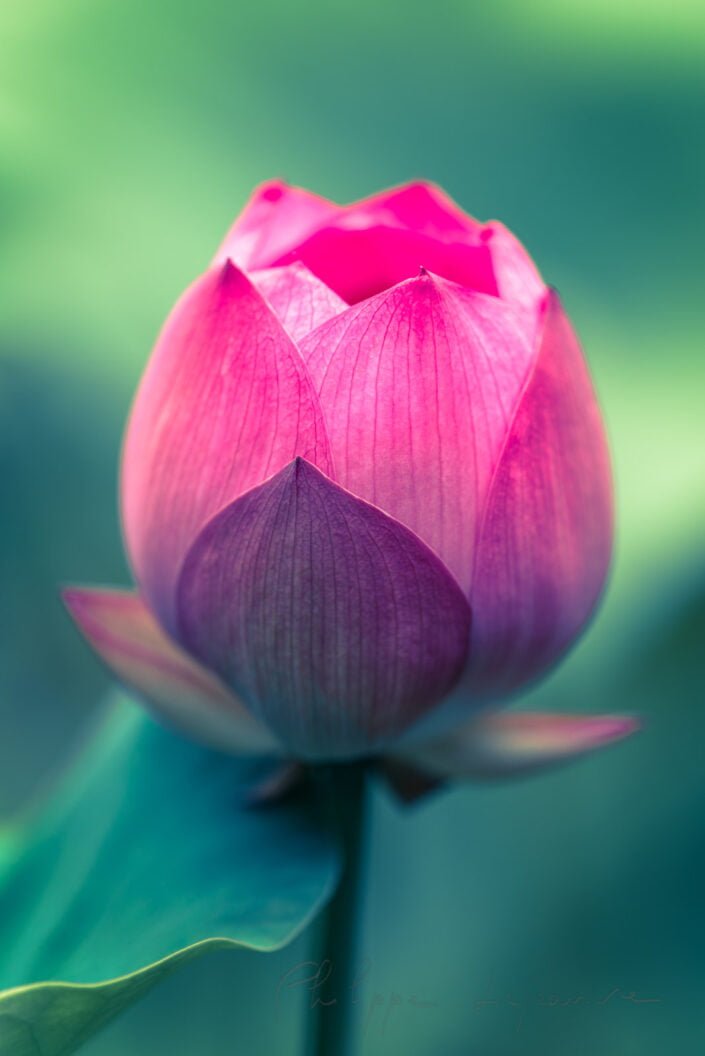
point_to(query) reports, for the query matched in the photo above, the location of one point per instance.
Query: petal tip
(70, 596)
(616, 727)
(82, 600)
(230, 274)
(272, 190)
(556, 735)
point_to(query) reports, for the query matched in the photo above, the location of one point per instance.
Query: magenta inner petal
(357, 263)
(336, 623)
(418, 206)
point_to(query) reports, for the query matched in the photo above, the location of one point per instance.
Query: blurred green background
(130, 135)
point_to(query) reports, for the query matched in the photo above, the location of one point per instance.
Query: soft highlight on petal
(418, 386)
(503, 745)
(301, 301)
(126, 636)
(336, 623)
(276, 218)
(225, 402)
(546, 533)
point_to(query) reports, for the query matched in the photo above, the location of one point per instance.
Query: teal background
(130, 135)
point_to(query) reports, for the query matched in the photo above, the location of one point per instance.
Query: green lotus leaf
(148, 856)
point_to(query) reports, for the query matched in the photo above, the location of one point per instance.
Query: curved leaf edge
(99, 1003)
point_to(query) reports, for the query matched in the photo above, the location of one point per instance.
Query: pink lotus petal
(515, 273)
(276, 218)
(545, 540)
(418, 386)
(417, 206)
(509, 744)
(371, 245)
(225, 402)
(366, 247)
(302, 302)
(425, 208)
(336, 623)
(359, 262)
(127, 637)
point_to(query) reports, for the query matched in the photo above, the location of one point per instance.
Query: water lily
(366, 494)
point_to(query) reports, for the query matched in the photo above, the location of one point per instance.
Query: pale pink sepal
(510, 744)
(225, 402)
(126, 636)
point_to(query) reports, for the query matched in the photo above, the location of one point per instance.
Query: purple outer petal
(546, 535)
(336, 623)
(418, 386)
(498, 745)
(127, 637)
(276, 218)
(225, 402)
(302, 302)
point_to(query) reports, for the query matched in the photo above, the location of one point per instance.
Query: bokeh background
(536, 917)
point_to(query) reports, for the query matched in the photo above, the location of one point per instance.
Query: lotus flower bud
(365, 470)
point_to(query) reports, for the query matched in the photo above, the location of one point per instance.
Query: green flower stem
(335, 1004)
